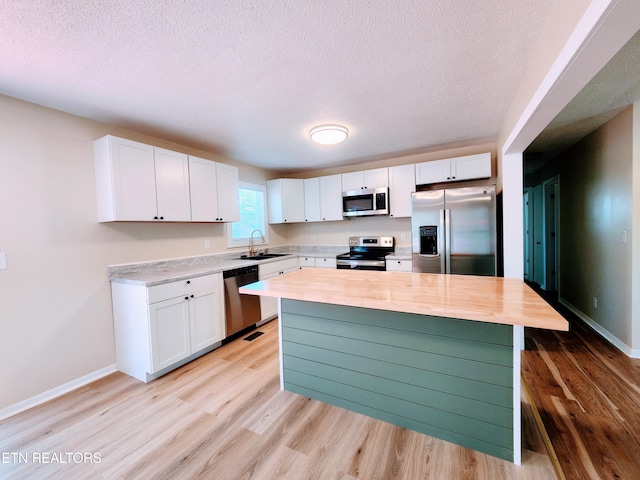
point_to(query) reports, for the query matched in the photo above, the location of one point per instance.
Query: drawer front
(165, 291)
(307, 261)
(280, 266)
(399, 266)
(326, 262)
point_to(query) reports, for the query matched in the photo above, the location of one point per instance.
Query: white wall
(55, 305)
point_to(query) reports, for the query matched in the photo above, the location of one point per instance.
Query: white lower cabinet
(399, 265)
(318, 262)
(269, 305)
(161, 327)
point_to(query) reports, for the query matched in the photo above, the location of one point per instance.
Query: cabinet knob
(191, 296)
(186, 298)
(155, 218)
(161, 218)
(188, 282)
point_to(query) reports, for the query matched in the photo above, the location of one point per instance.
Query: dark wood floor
(587, 394)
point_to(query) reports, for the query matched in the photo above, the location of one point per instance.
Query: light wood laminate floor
(223, 416)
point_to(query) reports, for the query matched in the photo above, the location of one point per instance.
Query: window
(252, 216)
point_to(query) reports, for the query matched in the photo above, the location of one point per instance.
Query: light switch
(3, 260)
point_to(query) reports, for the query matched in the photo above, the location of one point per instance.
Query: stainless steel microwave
(368, 201)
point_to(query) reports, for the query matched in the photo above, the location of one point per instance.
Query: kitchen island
(439, 354)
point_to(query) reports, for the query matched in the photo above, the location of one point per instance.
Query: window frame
(244, 241)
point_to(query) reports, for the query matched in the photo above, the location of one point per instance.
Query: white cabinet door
(204, 191)
(125, 180)
(312, 200)
(285, 197)
(402, 182)
(204, 315)
(227, 187)
(471, 166)
(352, 181)
(169, 325)
(374, 178)
(172, 185)
(214, 191)
(433, 172)
(331, 198)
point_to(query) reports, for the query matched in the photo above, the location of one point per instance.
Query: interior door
(538, 238)
(551, 235)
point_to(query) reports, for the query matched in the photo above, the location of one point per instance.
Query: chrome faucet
(252, 249)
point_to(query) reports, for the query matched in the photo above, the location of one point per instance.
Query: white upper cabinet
(455, 169)
(312, 200)
(471, 166)
(139, 182)
(227, 186)
(172, 185)
(285, 200)
(331, 198)
(323, 198)
(214, 191)
(433, 172)
(402, 183)
(375, 178)
(125, 180)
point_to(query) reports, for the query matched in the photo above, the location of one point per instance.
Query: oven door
(361, 264)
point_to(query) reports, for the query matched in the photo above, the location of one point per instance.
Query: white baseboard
(619, 344)
(56, 392)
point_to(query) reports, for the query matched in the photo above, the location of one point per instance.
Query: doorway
(541, 205)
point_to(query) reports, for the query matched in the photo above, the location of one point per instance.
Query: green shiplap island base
(444, 377)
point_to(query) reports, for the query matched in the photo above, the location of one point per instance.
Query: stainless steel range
(366, 253)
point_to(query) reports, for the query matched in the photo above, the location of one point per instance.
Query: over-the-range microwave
(368, 201)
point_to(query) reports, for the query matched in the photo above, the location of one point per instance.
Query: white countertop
(165, 271)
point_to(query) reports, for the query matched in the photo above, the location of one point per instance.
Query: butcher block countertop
(486, 299)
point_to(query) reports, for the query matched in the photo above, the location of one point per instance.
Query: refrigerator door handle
(442, 241)
(447, 241)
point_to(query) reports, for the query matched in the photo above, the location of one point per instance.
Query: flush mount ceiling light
(329, 134)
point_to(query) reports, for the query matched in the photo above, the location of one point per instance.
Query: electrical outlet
(595, 302)
(403, 237)
(3, 260)
(623, 237)
(207, 244)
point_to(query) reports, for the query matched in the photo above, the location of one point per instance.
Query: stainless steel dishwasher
(241, 310)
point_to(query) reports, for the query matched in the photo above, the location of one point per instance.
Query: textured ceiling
(248, 79)
(614, 88)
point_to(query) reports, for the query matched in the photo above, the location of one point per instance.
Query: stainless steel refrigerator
(454, 231)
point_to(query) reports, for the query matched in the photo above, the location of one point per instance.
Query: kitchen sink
(262, 256)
